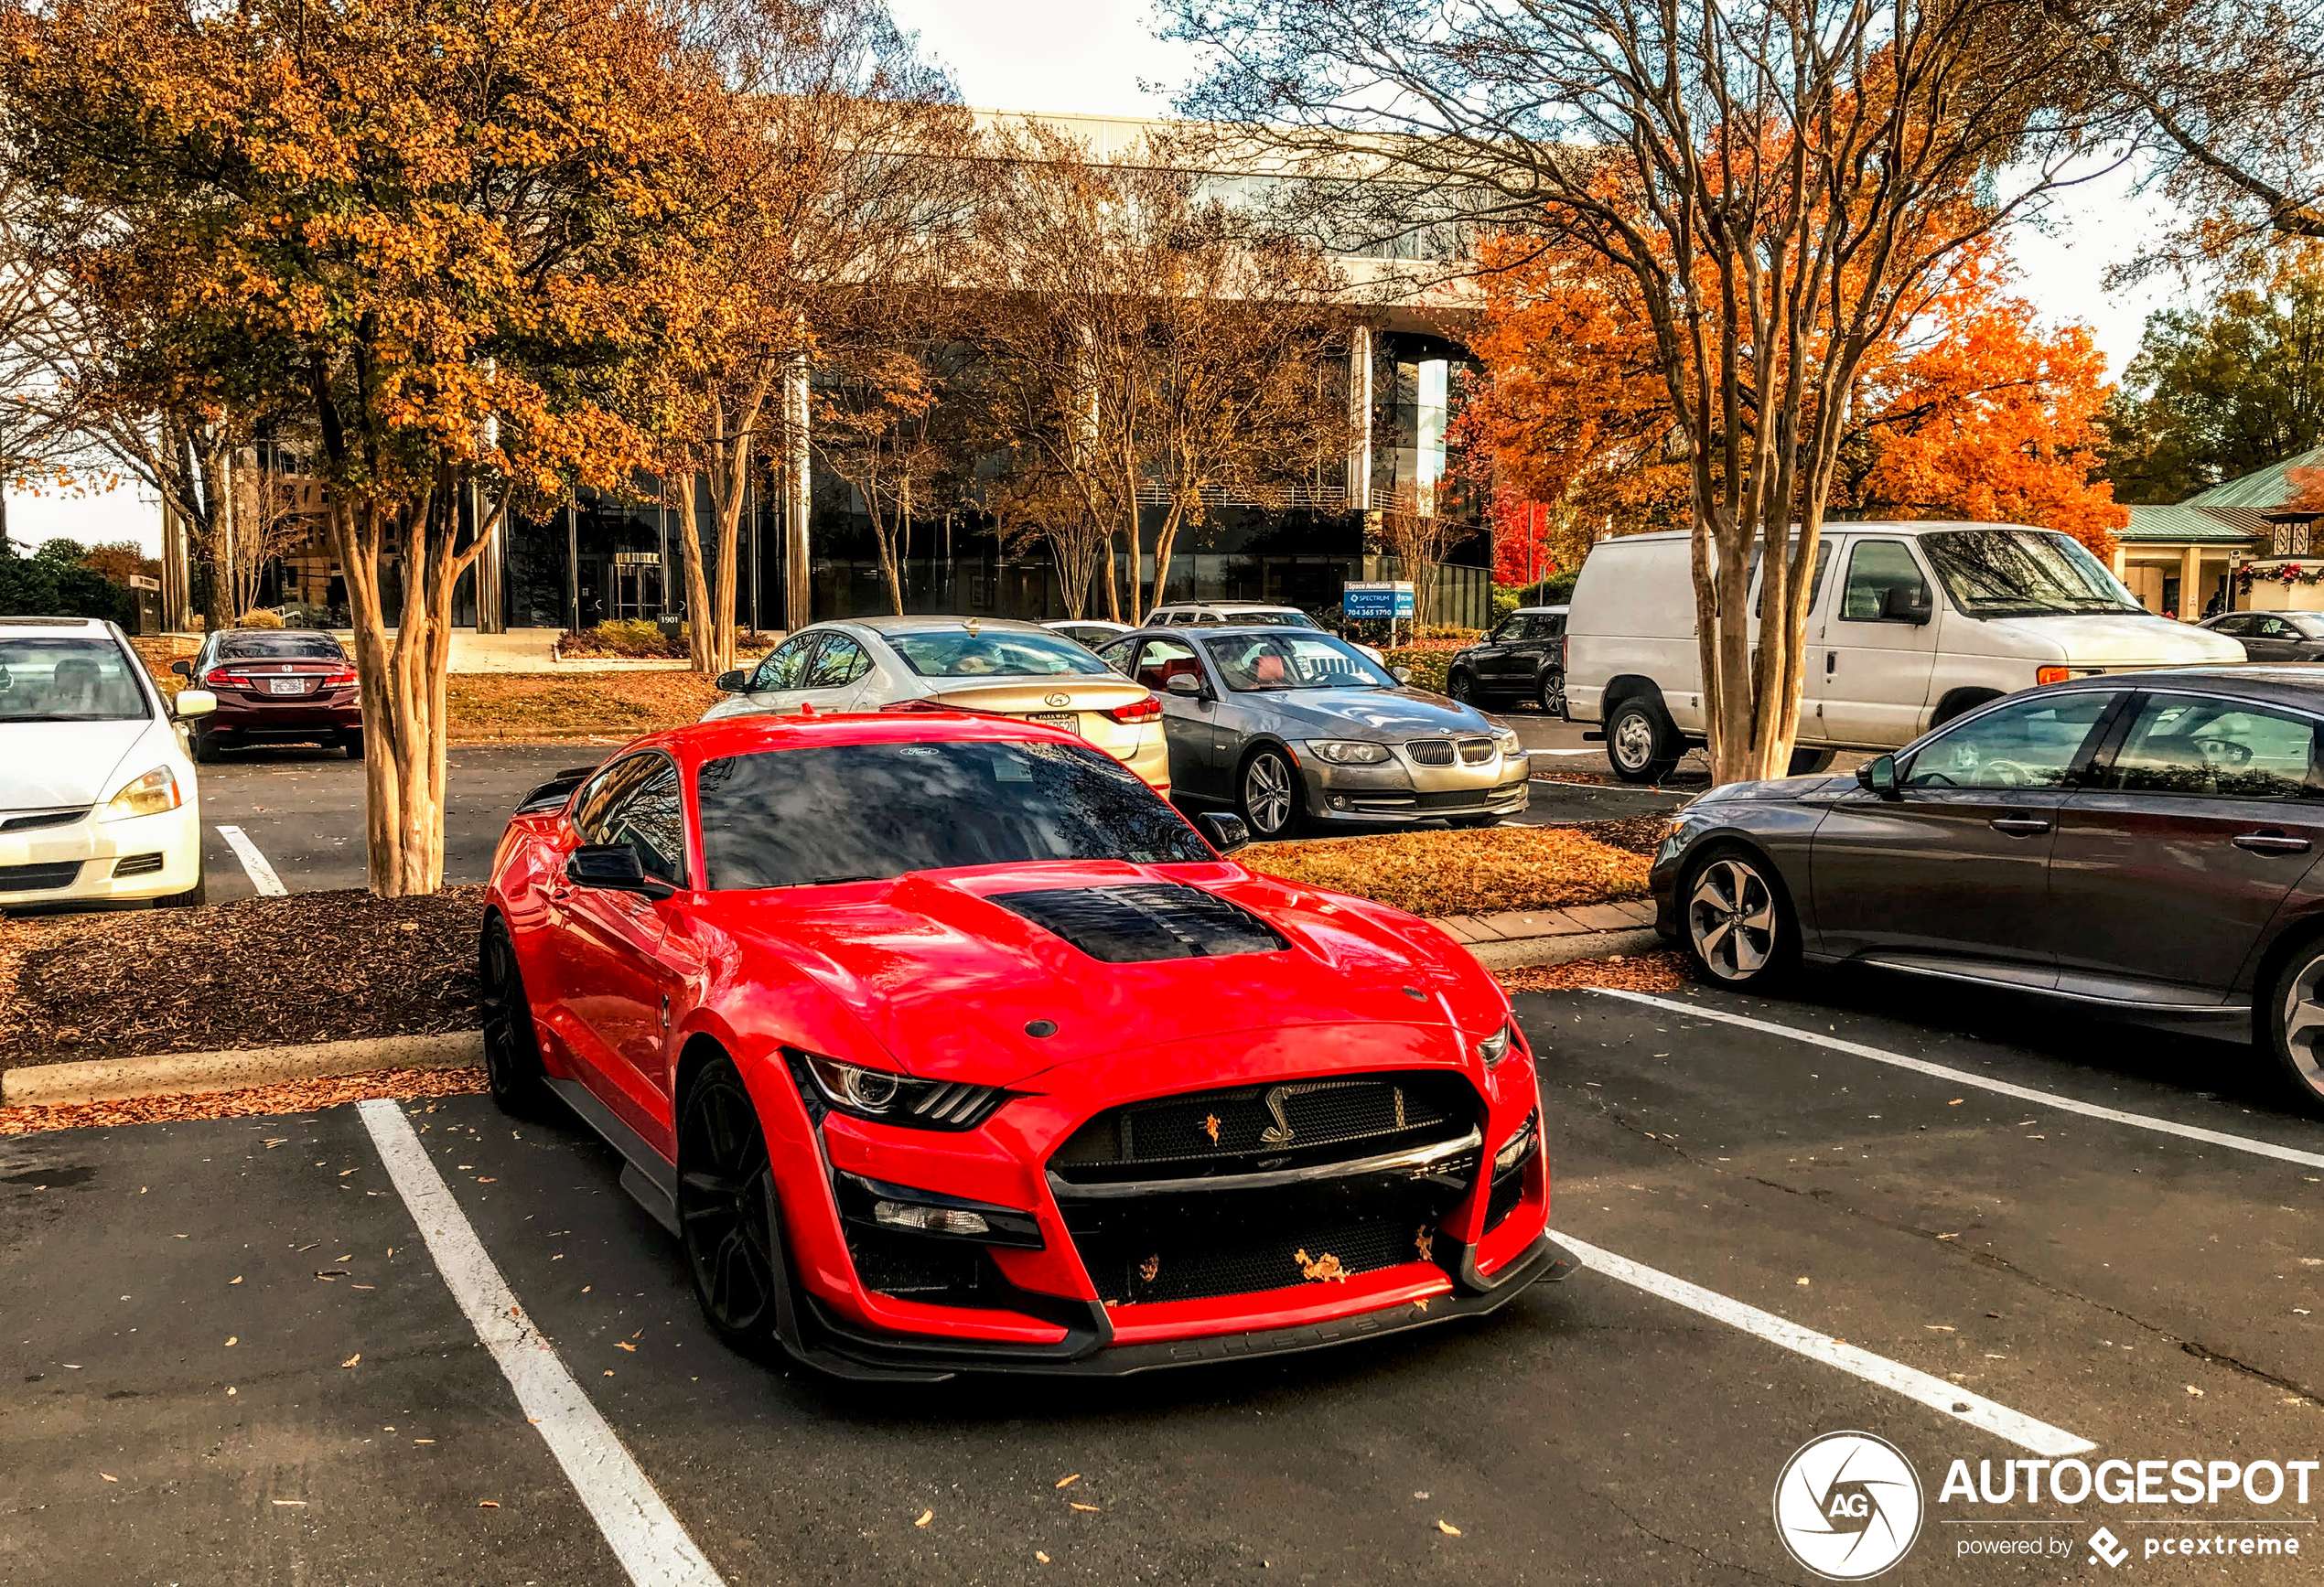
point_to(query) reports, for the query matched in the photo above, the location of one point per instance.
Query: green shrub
(1428, 667)
(259, 617)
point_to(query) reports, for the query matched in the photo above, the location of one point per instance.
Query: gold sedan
(991, 665)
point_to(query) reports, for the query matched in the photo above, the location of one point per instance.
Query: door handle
(1831, 660)
(2020, 826)
(2272, 843)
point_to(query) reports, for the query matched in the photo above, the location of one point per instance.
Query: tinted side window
(1511, 631)
(1544, 627)
(1815, 585)
(1876, 567)
(2215, 749)
(2031, 744)
(840, 662)
(786, 666)
(593, 810)
(651, 820)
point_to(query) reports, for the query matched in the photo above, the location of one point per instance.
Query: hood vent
(1133, 925)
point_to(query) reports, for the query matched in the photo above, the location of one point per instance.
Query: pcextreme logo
(1848, 1506)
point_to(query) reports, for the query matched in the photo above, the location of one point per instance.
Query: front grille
(1509, 1189)
(1142, 923)
(1467, 797)
(1478, 751)
(29, 820)
(39, 879)
(1259, 1127)
(1430, 750)
(138, 865)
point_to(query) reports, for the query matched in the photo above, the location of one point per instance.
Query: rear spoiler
(552, 794)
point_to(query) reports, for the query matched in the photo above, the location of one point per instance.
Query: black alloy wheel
(1740, 930)
(726, 1207)
(511, 1045)
(1270, 788)
(2293, 1034)
(1551, 692)
(1461, 686)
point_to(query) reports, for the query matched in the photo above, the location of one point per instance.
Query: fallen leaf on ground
(2195, 1392)
(300, 1504)
(925, 1517)
(1044, 1558)
(1068, 1482)
(625, 1345)
(1939, 1327)
(1801, 1281)
(109, 1476)
(1090, 1508)
(487, 1504)
(1449, 1530)
(232, 1337)
(353, 1359)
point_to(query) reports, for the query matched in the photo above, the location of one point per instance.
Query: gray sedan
(1291, 725)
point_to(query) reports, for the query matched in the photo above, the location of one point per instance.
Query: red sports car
(945, 1045)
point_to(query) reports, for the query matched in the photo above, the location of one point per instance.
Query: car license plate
(1068, 720)
(286, 686)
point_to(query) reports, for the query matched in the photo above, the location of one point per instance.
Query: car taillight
(1144, 710)
(2052, 674)
(340, 679)
(218, 675)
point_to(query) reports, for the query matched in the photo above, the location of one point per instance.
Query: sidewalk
(527, 651)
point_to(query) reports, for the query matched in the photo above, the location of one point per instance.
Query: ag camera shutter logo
(1848, 1506)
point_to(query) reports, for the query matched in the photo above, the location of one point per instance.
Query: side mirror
(735, 683)
(195, 702)
(1401, 674)
(183, 669)
(1905, 604)
(1184, 683)
(1224, 830)
(1878, 776)
(613, 868)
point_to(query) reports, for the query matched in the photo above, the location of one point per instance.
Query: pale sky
(1101, 55)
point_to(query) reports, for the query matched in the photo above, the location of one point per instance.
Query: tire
(193, 897)
(728, 1214)
(1551, 692)
(1460, 686)
(205, 746)
(1641, 743)
(1736, 924)
(2293, 1039)
(1267, 793)
(1808, 762)
(511, 1045)
(353, 744)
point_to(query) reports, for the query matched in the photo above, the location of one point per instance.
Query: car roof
(2292, 683)
(1908, 527)
(697, 742)
(54, 628)
(1224, 607)
(931, 624)
(1540, 611)
(1227, 630)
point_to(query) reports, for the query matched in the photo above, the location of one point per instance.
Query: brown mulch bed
(1439, 874)
(1632, 834)
(621, 705)
(1664, 970)
(294, 1097)
(260, 972)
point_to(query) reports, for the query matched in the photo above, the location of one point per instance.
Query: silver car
(1291, 725)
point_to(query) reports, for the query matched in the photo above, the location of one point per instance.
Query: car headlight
(1495, 1047)
(1520, 1146)
(1511, 745)
(149, 794)
(1349, 751)
(889, 1098)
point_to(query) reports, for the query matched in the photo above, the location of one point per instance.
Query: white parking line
(651, 1545)
(1934, 1392)
(261, 874)
(1963, 1077)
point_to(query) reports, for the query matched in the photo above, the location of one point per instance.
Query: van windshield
(2022, 573)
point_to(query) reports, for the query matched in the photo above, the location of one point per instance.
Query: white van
(1908, 626)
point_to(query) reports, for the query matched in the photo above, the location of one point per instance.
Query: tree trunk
(700, 648)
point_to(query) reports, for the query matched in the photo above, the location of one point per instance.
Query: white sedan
(98, 801)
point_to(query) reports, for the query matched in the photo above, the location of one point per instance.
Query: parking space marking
(648, 1540)
(1949, 1398)
(1964, 1078)
(261, 874)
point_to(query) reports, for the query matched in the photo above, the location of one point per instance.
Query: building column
(797, 498)
(2119, 562)
(177, 579)
(1360, 419)
(2190, 584)
(491, 606)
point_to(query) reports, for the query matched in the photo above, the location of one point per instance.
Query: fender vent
(1148, 921)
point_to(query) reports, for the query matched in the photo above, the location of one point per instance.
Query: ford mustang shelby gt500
(943, 1044)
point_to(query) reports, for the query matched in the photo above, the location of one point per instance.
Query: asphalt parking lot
(300, 810)
(1981, 1232)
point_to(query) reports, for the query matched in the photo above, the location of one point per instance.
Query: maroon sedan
(285, 687)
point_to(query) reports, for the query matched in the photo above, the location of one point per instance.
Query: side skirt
(650, 1178)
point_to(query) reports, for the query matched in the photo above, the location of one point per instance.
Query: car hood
(1384, 714)
(2115, 639)
(46, 765)
(947, 982)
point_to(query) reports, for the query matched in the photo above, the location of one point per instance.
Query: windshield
(957, 653)
(2022, 573)
(857, 813)
(68, 680)
(278, 647)
(1251, 662)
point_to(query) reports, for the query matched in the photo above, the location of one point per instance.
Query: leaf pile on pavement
(258, 1101)
(619, 705)
(1632, 834)
(1474, 872)
(259, 972)
(1662, 971)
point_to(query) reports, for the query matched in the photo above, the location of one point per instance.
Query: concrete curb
(184, 1073)
(1531, 950)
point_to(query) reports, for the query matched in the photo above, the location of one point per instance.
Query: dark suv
(1522, 659)
(285, 686)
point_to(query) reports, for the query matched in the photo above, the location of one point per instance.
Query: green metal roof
(2184, 525)
(2270, 486)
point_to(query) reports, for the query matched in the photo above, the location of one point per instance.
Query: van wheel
(1641, 743)
(1808, 762)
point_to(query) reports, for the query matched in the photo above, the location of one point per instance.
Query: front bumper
(1400, 791)
(89, 860)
